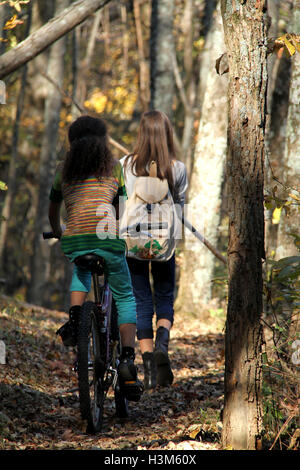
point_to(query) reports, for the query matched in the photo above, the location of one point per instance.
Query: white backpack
(149, 223)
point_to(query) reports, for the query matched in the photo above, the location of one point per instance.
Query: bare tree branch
(180, 86)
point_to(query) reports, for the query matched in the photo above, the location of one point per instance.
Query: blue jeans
(162, 302)
(118, 278)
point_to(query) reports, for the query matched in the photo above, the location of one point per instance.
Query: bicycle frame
(102, 361)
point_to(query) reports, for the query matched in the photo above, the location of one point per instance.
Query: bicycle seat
(91, 262)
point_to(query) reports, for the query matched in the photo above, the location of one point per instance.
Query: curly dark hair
(89, 153)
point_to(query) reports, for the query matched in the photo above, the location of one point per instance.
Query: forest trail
(36, 412)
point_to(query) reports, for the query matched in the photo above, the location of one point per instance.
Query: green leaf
(287, 261)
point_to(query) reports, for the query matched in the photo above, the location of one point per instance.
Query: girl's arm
(54, 218)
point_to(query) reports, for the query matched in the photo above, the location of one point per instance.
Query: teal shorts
(118, 278)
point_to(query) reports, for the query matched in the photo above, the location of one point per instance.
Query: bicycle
(98, 341)
(98, 348)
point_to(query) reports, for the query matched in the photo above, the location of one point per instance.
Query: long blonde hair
(154, 142)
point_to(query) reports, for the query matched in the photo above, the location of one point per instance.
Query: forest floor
(37, 412)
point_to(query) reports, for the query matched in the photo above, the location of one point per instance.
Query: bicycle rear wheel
(90, 368)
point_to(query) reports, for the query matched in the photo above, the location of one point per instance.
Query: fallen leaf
(67, 434)
(222, 64)
(194, 430)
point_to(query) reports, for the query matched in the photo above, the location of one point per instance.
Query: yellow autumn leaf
(276, 215)
(109, 107)
(199, 45)
(194, 430)
(284, 40)
(294, 196)
(12, 22)
(97, 102)
(16, 4)
(290, 47)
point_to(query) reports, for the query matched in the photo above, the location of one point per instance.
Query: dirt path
(37, 413)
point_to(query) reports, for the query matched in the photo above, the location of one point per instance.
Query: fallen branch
(38, 41)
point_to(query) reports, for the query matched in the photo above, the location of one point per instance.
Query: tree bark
(245, 38)
(48, 34)
(161, 51)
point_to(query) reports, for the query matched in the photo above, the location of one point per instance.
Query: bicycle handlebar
(47, 235)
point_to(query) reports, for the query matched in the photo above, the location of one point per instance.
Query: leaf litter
(39, 406)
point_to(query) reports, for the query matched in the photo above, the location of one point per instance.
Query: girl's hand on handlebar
(57, 232)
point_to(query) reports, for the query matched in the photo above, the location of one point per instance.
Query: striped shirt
(91, 221)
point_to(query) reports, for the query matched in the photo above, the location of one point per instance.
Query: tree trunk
(48, 34)
(40, 269)
(42, 12)
(206, 180)
(190, 85)
(9, 196)
(245, 38)
(279, 72)
(81, 68)
(161, 51)
(291, 162)
(143, 65)
(4, 16)
(125, 45)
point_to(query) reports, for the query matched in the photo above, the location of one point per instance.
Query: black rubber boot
(149, 370)
(130, 386)
(68, 332)
(164, 372)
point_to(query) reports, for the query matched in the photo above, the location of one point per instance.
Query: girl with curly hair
(90, 183)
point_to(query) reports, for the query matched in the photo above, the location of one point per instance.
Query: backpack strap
(153, 169)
